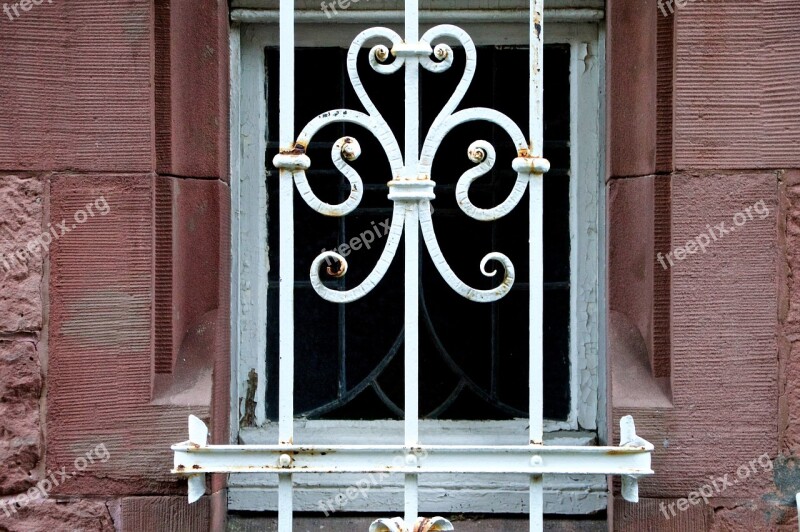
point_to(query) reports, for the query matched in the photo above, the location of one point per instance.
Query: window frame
(250, 169)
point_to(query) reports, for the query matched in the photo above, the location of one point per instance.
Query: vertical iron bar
(536, 293)
(411, 505)
(342, 281)
(286, 269)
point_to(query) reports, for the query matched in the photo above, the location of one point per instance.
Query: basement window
(473, 356)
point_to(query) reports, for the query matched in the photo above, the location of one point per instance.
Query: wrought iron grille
(410, 190)
(474, 359)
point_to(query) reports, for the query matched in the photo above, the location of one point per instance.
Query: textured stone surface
(21, 204)
(20, 386)
(49, 515)
(737, 87)
(630, 253)
(736, 515)
(724, 367)
(163, 514)
(76, 82)
(631, 86)
(655, 515)
(192, 88)
(789, 313)
(102, 387)
(664, 92)
(101, 343)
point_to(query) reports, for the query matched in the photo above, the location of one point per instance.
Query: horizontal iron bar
(261, 16)
(529, 459)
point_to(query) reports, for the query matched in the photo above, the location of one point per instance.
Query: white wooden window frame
(581, 27)
(298, 455)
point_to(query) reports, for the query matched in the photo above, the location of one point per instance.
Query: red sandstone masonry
(101, 293)
(631, 85)
(99, 377)
(631, 252)
(76, 82)
(76, 89)
(724, 367)
(50, 515)
(191, 94)
(789, 419)
(21, 204)
(20, 387)
(737, 86)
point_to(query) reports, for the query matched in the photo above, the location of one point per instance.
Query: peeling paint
(249, 416)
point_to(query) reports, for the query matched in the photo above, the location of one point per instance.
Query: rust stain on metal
(196, 467)
(350, 148)
(298, 149)
(181, 467)
(624, 450)
(435, 524)
(537, 24)
(337, 273)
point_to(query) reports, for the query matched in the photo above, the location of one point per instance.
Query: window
(473, 367)
(474, 359)
(471, 359)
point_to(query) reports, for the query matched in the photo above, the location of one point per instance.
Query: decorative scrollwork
(374, 277)
(415, 189)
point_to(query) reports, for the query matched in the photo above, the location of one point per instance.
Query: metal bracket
(417, 49)
(631, 459)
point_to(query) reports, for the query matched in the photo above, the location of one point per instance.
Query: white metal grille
(411, 189)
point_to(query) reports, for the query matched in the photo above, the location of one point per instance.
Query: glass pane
(473, 356)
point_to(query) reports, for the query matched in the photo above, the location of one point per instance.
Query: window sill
(580, 494)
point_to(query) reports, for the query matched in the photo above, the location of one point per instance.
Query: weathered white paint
(317, 16)
(239, 385)
(585, 227)
(286, 273)
(536, 259)
(519, 6)
(484, 493)
(256, 37)
(631, 459)
(249, 240)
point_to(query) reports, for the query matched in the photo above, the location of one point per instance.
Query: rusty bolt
(351, 150)
(477, 155)
(381, 53)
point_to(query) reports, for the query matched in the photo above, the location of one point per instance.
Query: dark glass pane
(473, 356)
